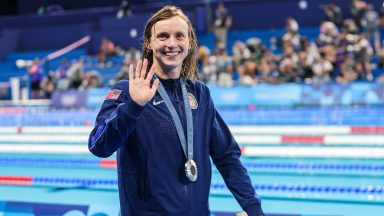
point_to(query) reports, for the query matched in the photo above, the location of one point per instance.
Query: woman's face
(169, 44)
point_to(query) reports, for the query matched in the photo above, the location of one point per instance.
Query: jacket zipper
(187, 200)
(179, 101)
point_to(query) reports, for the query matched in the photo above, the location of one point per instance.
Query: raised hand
(140, 88)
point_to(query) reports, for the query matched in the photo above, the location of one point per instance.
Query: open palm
(140, 88)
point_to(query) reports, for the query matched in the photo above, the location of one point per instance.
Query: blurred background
(299, 82)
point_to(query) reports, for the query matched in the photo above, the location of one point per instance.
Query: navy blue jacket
(150, 159)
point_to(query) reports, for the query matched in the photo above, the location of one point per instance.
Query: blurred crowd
(343, 52)
(83, 73)
(346, 50)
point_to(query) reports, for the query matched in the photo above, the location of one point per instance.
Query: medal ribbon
(188, 149)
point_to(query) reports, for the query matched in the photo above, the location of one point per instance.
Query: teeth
(171, 53)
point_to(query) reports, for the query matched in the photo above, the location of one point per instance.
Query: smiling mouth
(171, 53)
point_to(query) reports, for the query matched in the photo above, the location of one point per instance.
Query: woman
(164, 127)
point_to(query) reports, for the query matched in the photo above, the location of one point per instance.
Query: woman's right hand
(140, 88)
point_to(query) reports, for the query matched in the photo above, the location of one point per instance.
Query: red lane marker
(367, 129)
(87, 122)
(12, 110)
(108, 163)
(242, 149)
(252, 107)
(302, 139)
(16, 180)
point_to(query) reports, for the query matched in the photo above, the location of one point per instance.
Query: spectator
(107, 48)
(62, 69)
(48, 85)
(240, 52)
(350, 27)
(223, 22)
(321, 71)
(357, 10)
(76, 74)
(245, 77)
(124, 71)
(35, 74)
(292, 33)
(132, 56)
(370, 22)
(267, 71)
(223, 63)
(124, 10)
(92, 79)
(348, 72)
(61, 79)
(52, 9)
(287, 71)
(329, 53)
(363, 55)
(328, 34)
(288, 66)
(203, 54)
(42, 10)
(209, 69)
(333, 13)
(256, 48)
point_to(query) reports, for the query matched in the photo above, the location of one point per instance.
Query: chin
(170, 63)
(170, 66)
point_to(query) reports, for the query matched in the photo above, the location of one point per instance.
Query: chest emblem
(113, 94)
(192, 101)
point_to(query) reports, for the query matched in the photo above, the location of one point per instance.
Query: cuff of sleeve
(131, 109)
(254, 210)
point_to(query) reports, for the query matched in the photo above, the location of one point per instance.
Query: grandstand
(312, 145)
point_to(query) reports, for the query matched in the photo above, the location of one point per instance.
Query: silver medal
(191, 170)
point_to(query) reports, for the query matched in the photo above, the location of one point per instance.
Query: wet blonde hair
(189, 67)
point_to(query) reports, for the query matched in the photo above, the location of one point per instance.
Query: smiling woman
(169, 44)
(165, 128)
(170, 32)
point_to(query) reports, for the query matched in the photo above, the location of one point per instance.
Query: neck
(168, 73)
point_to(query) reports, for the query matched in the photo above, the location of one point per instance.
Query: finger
(155, 84)
(138, 69)
(144, 68)
(130, 72)
(150, 73)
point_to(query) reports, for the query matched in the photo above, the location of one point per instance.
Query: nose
(172, 41)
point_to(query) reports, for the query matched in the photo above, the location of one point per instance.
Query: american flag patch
(113, 94)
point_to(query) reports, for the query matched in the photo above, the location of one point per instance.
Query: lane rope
(251, 166)
(215, 187)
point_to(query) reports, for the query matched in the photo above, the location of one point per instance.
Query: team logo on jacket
(192, 101)
(113, 94)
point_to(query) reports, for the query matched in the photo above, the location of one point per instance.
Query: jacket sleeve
(115, 121)
(225, 153)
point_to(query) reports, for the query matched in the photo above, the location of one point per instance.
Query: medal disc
(191, 170)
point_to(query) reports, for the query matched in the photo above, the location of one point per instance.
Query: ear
(149, 45)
